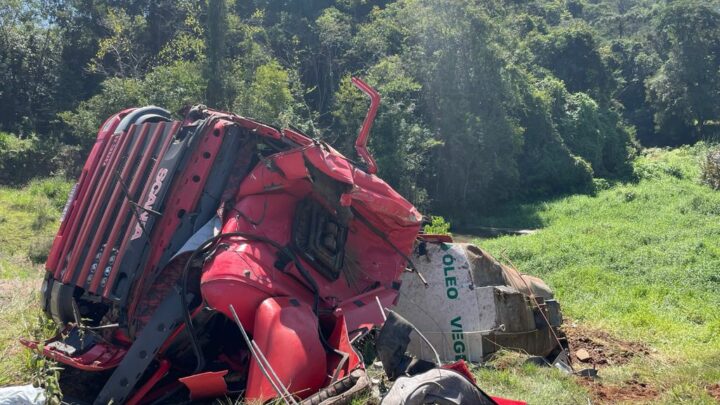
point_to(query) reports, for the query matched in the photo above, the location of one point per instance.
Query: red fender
(286, 331)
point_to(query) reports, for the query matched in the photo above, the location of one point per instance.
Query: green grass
(640, 260)
(29, 218)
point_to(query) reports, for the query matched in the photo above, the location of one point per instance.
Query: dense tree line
(483, 101)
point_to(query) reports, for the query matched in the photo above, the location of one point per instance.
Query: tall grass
(29, 217)
(642, 260)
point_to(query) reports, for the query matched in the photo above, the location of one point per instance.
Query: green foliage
(684, 90)
(29, 59)
(682, 163)
(215, 68)
(595, 134)
(400, 140)
(462, 99)
(267, 95)
(437, 226)
(547, 164)
(483, 102)
(22, 159)
(121, 53)
(572, 55)
(173, 87)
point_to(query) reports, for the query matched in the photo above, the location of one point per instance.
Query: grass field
(640, 261)
(29, 218)
(635, 267)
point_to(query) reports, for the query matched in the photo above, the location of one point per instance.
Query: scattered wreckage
(220, 256)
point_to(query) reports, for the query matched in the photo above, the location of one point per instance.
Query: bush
(39, 251)
(711, 169)
(15, 156)
(437, 226)
(680, 163)
(22, 159)
(28, 158)
(547, 165)
(171, 87)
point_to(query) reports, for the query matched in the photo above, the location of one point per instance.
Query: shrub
(170, 87)
(711, 169)
(38, 252)
(21, 159)
(437, 226)
(44, 215)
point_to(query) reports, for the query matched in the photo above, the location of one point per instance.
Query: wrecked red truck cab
(220, 255)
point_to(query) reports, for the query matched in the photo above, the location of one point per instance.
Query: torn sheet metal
(474, 305)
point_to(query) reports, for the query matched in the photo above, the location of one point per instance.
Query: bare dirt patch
(606, 350)
(603, 348)
(714, 391)
(632, 390)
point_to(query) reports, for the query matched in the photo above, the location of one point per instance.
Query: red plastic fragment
(461, 367)
(206, 385)
(505, 401)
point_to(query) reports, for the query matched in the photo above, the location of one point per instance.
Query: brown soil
(630, 391)
(607, 350)
(714, 391)
(604, 349)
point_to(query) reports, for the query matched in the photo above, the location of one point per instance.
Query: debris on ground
(22, 395)
(582, 355)
(603, 348)
(436, 386)
(416, 381)
(475, 306)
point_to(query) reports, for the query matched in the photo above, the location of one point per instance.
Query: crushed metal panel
(449, 312)
(473, 305)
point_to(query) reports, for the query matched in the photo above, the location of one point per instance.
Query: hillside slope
(636, 269)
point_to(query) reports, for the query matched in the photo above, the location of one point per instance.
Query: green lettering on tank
(458, 337)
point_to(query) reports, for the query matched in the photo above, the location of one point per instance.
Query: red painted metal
(362, 139)
(296, 137)
(206, 385)
(124, 211)
(158, 375)
(102, 356)
(110, 162)
(286, 331)
(148, 185)
(89, 178)
(505, 401)
(186, 191)
(108, 209)
(339, 339)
